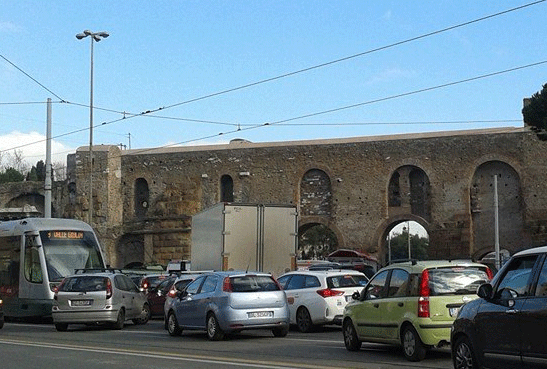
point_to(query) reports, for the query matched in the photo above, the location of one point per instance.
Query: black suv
(506, 326)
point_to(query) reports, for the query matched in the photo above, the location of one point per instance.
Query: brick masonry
(359, 187)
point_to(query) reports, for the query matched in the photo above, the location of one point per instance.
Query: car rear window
(253, 283)
(456, 280)
(83, 284)
(347, 280)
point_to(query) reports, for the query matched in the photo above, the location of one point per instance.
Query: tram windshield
(66, 251)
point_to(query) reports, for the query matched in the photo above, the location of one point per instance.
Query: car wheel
(120, 320)
(463, 355)
(61, 327)
(173, 325)
(351, 340)
(303, 320)
(413, 348)
(214, 333)
(280, 331)
(145, 315)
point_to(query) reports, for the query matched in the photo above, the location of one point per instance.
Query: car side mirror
(485, 291)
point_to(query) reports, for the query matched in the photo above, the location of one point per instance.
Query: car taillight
(423, 307)
(423, 301)
(108, 288)
(424, 284)
(227, 285)
(172, 292)
(144, 285)
(489, 273)
(327, 292)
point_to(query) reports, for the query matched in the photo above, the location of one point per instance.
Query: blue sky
(172, 54)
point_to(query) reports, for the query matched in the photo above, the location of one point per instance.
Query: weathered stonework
(359, 187)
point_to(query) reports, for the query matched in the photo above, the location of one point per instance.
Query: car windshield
(456, 280)
(347, 280)
(253, 283)
(67, 251)
(83, 284)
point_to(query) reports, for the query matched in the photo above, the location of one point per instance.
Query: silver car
(107, 296)
(226, 302)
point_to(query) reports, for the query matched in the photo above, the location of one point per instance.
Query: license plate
(454, 311)
(81, 302)
(260, 314)
(349, 298)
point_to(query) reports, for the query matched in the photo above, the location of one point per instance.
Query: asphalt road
(25, 345)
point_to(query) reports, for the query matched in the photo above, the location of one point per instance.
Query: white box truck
(245, 237)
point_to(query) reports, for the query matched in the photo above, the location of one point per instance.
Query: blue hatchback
(227, 302)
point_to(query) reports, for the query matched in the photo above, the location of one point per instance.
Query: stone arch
(142, 198)
(30, 199)
(226, 188)
(129, 249)
(315, 222)
(315, 193)
(409, 191)
(510, 208)
(382, 232)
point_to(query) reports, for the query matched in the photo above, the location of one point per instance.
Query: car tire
(120, 320)
(413, 348)
(173, 325)
(145, 315)
(463, 355)
(303, 320)
(280, 331)
(214, 332)
(351, 340)
(61, 327)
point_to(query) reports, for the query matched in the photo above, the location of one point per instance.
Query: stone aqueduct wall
(360, 188)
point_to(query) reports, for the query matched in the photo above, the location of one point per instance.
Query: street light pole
(94, 36)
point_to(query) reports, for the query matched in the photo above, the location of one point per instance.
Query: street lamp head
(79, 36)
(103, 34)
(87, 32)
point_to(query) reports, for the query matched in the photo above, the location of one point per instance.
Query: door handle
(400, 304)
(376, 305)
(511, 311)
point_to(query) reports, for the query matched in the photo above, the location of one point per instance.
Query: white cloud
(32, 146)
(9, 27)
(391, 74)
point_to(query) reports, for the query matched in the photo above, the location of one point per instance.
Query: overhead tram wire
(32, 78)
(369, 102)
(149, 112)
(433, 33)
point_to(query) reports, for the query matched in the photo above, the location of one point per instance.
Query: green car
(412, 304)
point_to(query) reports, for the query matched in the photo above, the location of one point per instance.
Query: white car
(319, 297)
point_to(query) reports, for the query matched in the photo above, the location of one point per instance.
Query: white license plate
(453, 311)
(349, 298)
(260, 314)
(81, 302)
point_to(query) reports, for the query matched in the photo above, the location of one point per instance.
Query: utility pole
(47, 182)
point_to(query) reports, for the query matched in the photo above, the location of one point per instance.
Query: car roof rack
(398, 261)
(97, 270)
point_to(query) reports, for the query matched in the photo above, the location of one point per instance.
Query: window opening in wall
(226, 189)
(141, 197)
(315, 193)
